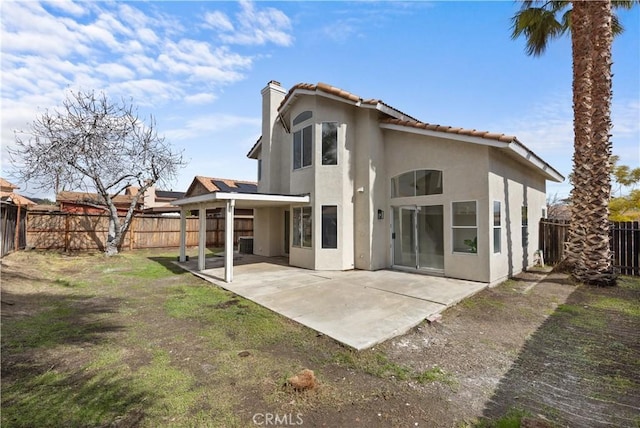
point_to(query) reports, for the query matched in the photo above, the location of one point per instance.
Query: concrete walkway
(357, 308)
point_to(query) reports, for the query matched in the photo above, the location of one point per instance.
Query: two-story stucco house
(388, 191)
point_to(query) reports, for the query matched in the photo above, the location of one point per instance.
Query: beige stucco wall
(465, 178)
(515, 185)
(268, 232)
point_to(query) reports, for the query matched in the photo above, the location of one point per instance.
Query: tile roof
(341, 93)
(451, 130)
(399, 118)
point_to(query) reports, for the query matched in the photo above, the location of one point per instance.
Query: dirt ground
(480, 354)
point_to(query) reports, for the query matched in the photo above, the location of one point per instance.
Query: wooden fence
(78, 232)
(13, 231)
(624, 239)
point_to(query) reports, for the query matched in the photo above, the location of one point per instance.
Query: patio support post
(228, 240)
(202, 236)
(183, 235)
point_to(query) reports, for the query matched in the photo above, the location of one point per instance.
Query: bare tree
(558, 208)
(91, 143)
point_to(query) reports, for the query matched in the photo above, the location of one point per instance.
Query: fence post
(132, 231)
(66, 233)
(16, 238)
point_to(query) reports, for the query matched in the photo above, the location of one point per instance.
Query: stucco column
(228, 240)
(183, 235)
(202, 236)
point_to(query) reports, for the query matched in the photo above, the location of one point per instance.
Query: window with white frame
(302, 147)
(329, 226)
(302, 227)
(525, 226)
(329, 143)
(305, 115)
(420, 182)
(497, 227)
(464, 223)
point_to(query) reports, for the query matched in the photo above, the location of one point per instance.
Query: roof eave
(253, 153)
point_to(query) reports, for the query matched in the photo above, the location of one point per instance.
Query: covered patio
(229, 201)
(357, 308)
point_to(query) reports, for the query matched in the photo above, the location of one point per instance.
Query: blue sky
(199, 66)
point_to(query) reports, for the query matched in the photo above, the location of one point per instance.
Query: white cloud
(547, 129)
(201, 98)
(208, 125)
(69, 7)
(218, 21)
(258, 27)
(149, 55)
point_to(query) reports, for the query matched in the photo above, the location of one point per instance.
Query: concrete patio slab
(357, 308)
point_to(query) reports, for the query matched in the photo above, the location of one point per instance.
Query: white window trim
(494, 227)
(337, 228)
(464, 227)
(301, 231)
(337, 143)
(300, 128)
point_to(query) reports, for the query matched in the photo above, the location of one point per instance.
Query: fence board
(77, 232)
(12, 228)
(624, 241)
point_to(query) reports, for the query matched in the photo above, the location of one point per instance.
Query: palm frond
(539, 26)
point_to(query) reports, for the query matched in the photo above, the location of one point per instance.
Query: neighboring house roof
(167, 194)
(6, 186)
(7, 194)
(15, 198)
(399, 120)
(91, 198)
(202, 185)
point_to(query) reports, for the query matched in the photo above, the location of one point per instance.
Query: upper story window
(302, 147)
(302, 117)
(302, 141)
(420, 182)
(329, 143)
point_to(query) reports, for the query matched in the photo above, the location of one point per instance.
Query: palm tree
(592, 26)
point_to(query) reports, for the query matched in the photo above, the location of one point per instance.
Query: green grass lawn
(133, 340)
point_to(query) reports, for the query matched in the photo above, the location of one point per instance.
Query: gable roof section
(509, 143)
(328, 91)
(7, 186)
(203, 185)
(16, 198)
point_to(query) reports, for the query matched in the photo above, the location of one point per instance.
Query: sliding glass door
(418, 237)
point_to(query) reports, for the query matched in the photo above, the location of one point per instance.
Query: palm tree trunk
(595, 266)
(582, 108)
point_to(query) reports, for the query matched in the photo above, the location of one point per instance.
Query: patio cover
(230, 201)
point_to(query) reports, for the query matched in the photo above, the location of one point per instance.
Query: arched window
(302, 117)
(420, 182)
